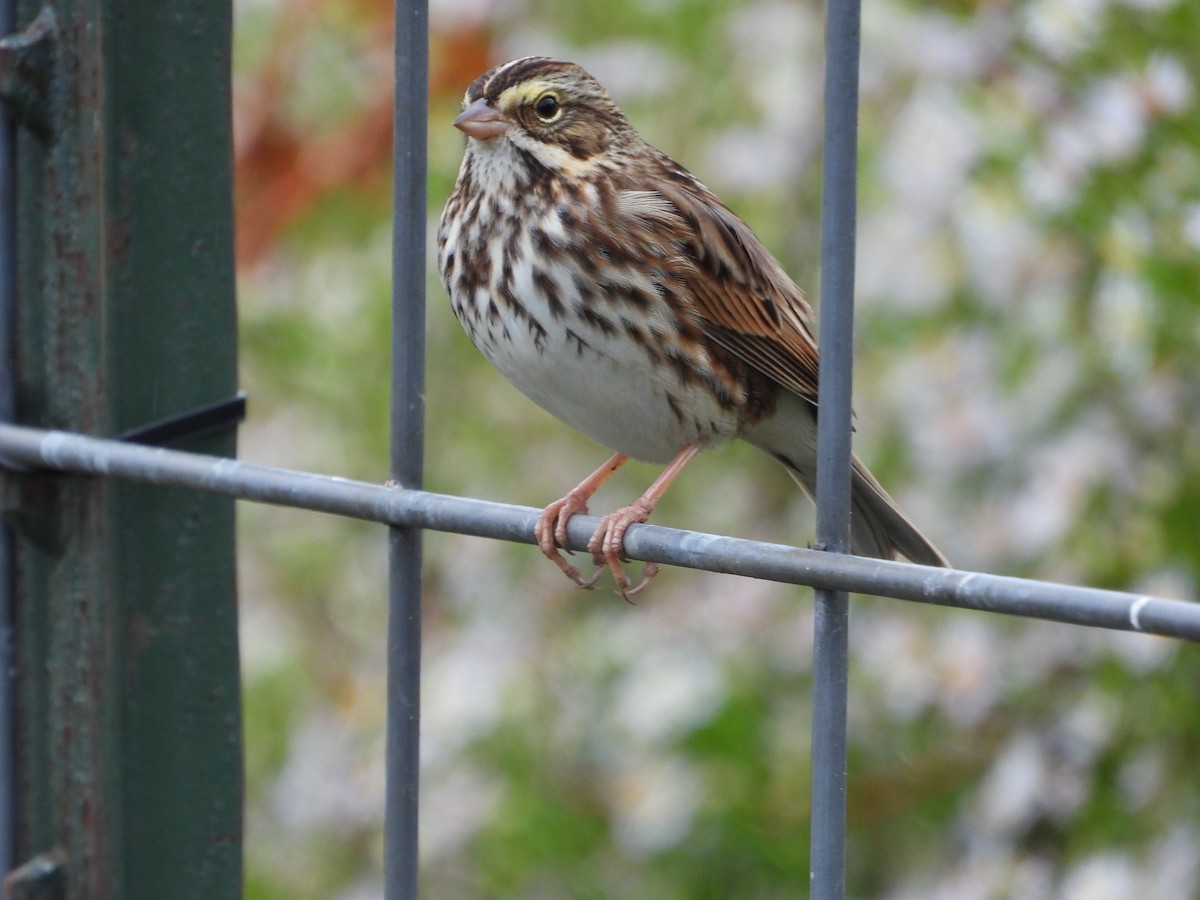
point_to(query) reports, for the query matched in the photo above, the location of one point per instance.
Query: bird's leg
(607, 544)
(551, 527)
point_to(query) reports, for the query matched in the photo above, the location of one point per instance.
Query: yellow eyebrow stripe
(526, 92)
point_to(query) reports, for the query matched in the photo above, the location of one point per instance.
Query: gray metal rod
(827, 859)
(695, 550)
(838, 200)
(8, 399)
(408, 448)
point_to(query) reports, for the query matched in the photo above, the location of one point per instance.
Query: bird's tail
(877, 527)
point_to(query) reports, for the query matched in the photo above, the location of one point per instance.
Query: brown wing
(739, 293)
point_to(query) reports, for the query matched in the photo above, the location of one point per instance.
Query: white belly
(620, 405)
(619, 399)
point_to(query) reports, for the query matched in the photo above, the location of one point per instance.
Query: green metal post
(128, 710)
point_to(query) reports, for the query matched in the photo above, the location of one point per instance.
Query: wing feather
(735, 289)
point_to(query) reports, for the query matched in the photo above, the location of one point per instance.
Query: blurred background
(1027, 386)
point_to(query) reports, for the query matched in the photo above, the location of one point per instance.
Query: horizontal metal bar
(695, 550)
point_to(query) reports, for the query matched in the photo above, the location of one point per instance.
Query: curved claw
(649, 570)
(607, 546)
(588, 584)
(551, 533)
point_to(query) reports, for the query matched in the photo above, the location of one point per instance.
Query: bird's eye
(547, 107)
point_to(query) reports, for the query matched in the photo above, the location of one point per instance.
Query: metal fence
(408, 509)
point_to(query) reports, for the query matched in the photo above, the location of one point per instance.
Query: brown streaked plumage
(616, 291)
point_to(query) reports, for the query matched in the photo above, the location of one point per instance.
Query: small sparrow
(619, 294)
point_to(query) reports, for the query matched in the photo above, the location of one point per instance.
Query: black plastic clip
(198, 422)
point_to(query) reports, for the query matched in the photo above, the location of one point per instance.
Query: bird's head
(552, 110)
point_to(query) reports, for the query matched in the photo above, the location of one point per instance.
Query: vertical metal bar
(827, 872)
(127, 688)
(408, 437)
(8, 400)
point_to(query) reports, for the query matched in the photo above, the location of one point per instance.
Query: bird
(617, 292)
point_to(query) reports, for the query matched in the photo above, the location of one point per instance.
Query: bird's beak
(482, 121)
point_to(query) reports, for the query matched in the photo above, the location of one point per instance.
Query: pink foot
(551, 534)
(607, 545)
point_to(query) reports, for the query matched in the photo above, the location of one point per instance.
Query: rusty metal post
(129, 741)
